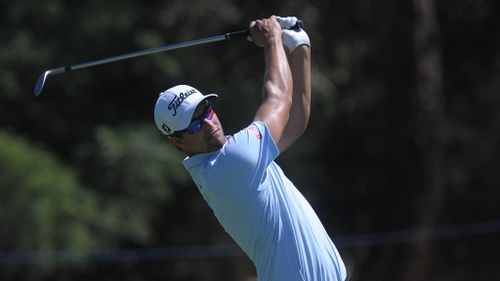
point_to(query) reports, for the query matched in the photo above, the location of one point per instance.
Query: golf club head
(41, 82)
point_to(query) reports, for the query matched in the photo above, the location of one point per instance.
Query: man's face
(209, 138)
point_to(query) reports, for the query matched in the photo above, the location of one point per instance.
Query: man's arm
(277, 89)
(300, 64)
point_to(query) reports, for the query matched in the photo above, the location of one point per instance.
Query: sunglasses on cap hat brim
(197, 123)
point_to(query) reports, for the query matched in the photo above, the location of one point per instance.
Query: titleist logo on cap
(177, 101)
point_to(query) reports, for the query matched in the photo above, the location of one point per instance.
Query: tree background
(399, 159)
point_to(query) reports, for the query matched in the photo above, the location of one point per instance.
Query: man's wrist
(273, 41)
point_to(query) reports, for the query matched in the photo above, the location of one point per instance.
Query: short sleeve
(249, 152)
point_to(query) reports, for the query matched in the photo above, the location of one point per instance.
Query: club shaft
(206, 40)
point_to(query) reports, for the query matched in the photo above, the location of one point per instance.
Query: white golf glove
(292, 38)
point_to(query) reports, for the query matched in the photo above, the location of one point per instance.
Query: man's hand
(292, 38)
(265, 31)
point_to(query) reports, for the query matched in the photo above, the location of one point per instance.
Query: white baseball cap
(175, 107)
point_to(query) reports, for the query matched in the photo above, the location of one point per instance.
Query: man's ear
(177, 142)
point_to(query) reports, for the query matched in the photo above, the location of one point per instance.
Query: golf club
(227, 36)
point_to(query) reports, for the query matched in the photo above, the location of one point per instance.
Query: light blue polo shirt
(263, 211)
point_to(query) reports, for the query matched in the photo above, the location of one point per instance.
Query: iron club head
(41, 80)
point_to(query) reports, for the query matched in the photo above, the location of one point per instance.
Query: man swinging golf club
(248, 192)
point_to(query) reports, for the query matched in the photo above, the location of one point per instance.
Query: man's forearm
(277, 75)
(300, 65)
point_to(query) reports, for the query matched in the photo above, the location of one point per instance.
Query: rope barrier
(231, 250)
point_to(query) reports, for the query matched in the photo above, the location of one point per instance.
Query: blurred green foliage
(43, 204)
(48, 206)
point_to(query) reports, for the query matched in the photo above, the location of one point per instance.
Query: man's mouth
(212, 133)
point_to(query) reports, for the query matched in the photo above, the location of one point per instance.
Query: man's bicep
(275, 116)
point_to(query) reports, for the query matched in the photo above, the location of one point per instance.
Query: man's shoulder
(256, 129)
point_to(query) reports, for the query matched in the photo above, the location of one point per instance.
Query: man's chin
(216, 142)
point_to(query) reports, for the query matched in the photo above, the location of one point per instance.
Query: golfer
(248, 192)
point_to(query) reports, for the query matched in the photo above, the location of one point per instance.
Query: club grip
(299, 24)
(245, 33)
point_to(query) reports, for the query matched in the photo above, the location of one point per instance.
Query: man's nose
(206, 123)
